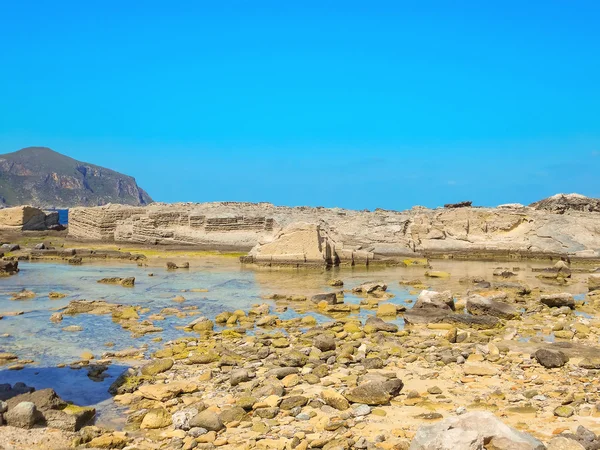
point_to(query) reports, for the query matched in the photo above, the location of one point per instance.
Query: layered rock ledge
(337, 234)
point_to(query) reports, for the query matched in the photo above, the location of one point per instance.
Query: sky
(378, 104)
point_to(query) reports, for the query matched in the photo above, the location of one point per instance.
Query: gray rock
(23, 415)
(370, 287)
(44, 400)
(181, 419)
(324, 343)
(238, 376)
(469, 432)
(479, 305)
(381, 325)
(558, 300)
(330, 298)
(550, 358)
(435, 300)
(374, 393)
(207, 419)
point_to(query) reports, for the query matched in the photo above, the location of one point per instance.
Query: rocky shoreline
(473, 361)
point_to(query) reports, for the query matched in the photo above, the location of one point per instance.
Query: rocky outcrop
(561, 203)
(27, 218)
(356, 236)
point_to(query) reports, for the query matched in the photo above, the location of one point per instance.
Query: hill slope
(41, 177)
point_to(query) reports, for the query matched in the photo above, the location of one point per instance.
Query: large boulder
(375, 392)
(435, 300)
(479, 305)
(298, 243)
(44, 400)
(23, 415)
(23, 218)
(470, 432)
(550, 359)
(558, 300)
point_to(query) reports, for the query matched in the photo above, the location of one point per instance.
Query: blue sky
(334, 103)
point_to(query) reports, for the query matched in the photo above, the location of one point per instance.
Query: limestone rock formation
(27, 218)
(44, 178)
(353, 236)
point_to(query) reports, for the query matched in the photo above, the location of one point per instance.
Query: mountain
(44, 178)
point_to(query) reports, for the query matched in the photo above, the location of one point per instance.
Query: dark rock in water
(550, 358)
(173, 266)
(8, 267)
(479, 305)
(126, 282)
(465, 204)
(7, 391)
(370, 287)
(330, 298)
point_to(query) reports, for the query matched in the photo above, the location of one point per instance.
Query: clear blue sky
(335, 103)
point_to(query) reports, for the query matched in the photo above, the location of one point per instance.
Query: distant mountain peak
(42, 177)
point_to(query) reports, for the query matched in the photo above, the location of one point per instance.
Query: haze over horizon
(336, 104)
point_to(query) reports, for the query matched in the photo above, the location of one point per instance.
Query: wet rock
(558, 300)
(56, 317)
(470, 431)
(550, 358)
(479, 305)
(202, 324)
(23, 415)
(8, 268)
(157, 366)
(125, 282)
(387, 310)
(208, 420)
(370, 287)
(435, 300)
(330, 298)
(437, 274)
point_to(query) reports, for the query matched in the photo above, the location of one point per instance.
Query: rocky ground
(468, 370)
